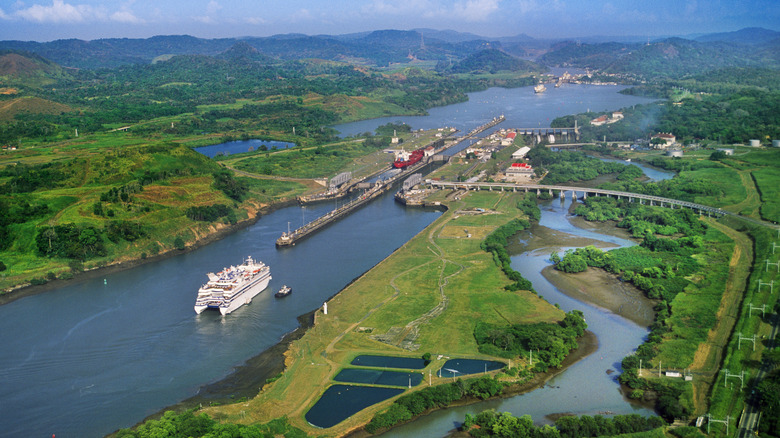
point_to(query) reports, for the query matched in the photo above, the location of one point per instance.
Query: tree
(572, 263)
(178, 243)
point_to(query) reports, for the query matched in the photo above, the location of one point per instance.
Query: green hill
(28, 69)
(494, 61)
(671, 58)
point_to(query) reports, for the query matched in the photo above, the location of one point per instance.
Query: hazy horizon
(38, 20)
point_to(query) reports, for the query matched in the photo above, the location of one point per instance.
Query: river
(588, 387)
(101, 354)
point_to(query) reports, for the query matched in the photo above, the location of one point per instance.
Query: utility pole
(711, 420)
(763, 307)
(771, 285)
(741, 338)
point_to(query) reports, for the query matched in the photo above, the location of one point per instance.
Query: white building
(520, 153)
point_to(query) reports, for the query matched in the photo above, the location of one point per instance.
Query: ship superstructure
(232, 287)
(405, 159)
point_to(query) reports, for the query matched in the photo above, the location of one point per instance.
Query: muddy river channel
(616, 313)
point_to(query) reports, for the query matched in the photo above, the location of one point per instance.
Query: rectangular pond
(461, 367)
(410, 363)
(340, 402)
(379, 377)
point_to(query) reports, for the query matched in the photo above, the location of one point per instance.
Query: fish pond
(340, 402)
(462, 367)
(367, 360)
(378, 377)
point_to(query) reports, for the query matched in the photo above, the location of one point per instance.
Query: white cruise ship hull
(227, 291)
(244, 297)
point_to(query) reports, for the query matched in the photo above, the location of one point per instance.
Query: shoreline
(22, 291)
(245, 380)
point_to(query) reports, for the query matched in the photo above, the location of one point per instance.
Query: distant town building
(674, 153)
(601, 120)
(727, 151)
(668, 138)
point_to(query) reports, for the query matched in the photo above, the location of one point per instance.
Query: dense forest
(674, 58)
(202, 94)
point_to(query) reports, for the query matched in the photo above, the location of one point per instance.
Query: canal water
(521, 106)
(89, 358)
(101, 354)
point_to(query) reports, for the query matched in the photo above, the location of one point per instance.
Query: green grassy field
(695, 310)
(425, 297)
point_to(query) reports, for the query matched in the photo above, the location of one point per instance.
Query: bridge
(651, 200)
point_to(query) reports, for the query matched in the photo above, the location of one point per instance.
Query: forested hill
(670, 58)
(378, 48)
(494, 61)
(20, 68)
(749, 36)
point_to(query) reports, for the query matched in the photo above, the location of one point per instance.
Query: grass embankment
(167, 180)
(360, 156)
(744, 356)
(69, 183)
(426, 297)
(709, 317)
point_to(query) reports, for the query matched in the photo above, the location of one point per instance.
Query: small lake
(462, 367)
(340, 402)
(239, 146)
(368, 360)
(379, 377)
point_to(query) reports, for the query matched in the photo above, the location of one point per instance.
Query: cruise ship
(232, 287)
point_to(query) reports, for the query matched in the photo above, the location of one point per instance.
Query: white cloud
(58, 12)
(537, 6)
(213, 7)
(255, 20)
(125, 16)
(409, 8)
(475, 10)
(61, 12)
(3, 15)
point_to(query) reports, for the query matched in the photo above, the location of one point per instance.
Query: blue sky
(46, 20)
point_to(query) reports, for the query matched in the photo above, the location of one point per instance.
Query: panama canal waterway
(103, 353)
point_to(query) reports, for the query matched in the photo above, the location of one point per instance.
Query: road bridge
(585, 191)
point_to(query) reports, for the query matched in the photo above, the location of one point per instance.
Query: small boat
(283, 292)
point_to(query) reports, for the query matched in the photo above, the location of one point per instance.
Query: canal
(101, 354)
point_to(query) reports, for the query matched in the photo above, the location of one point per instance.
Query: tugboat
(283, 292)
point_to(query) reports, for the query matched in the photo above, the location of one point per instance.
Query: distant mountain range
(385, 48)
